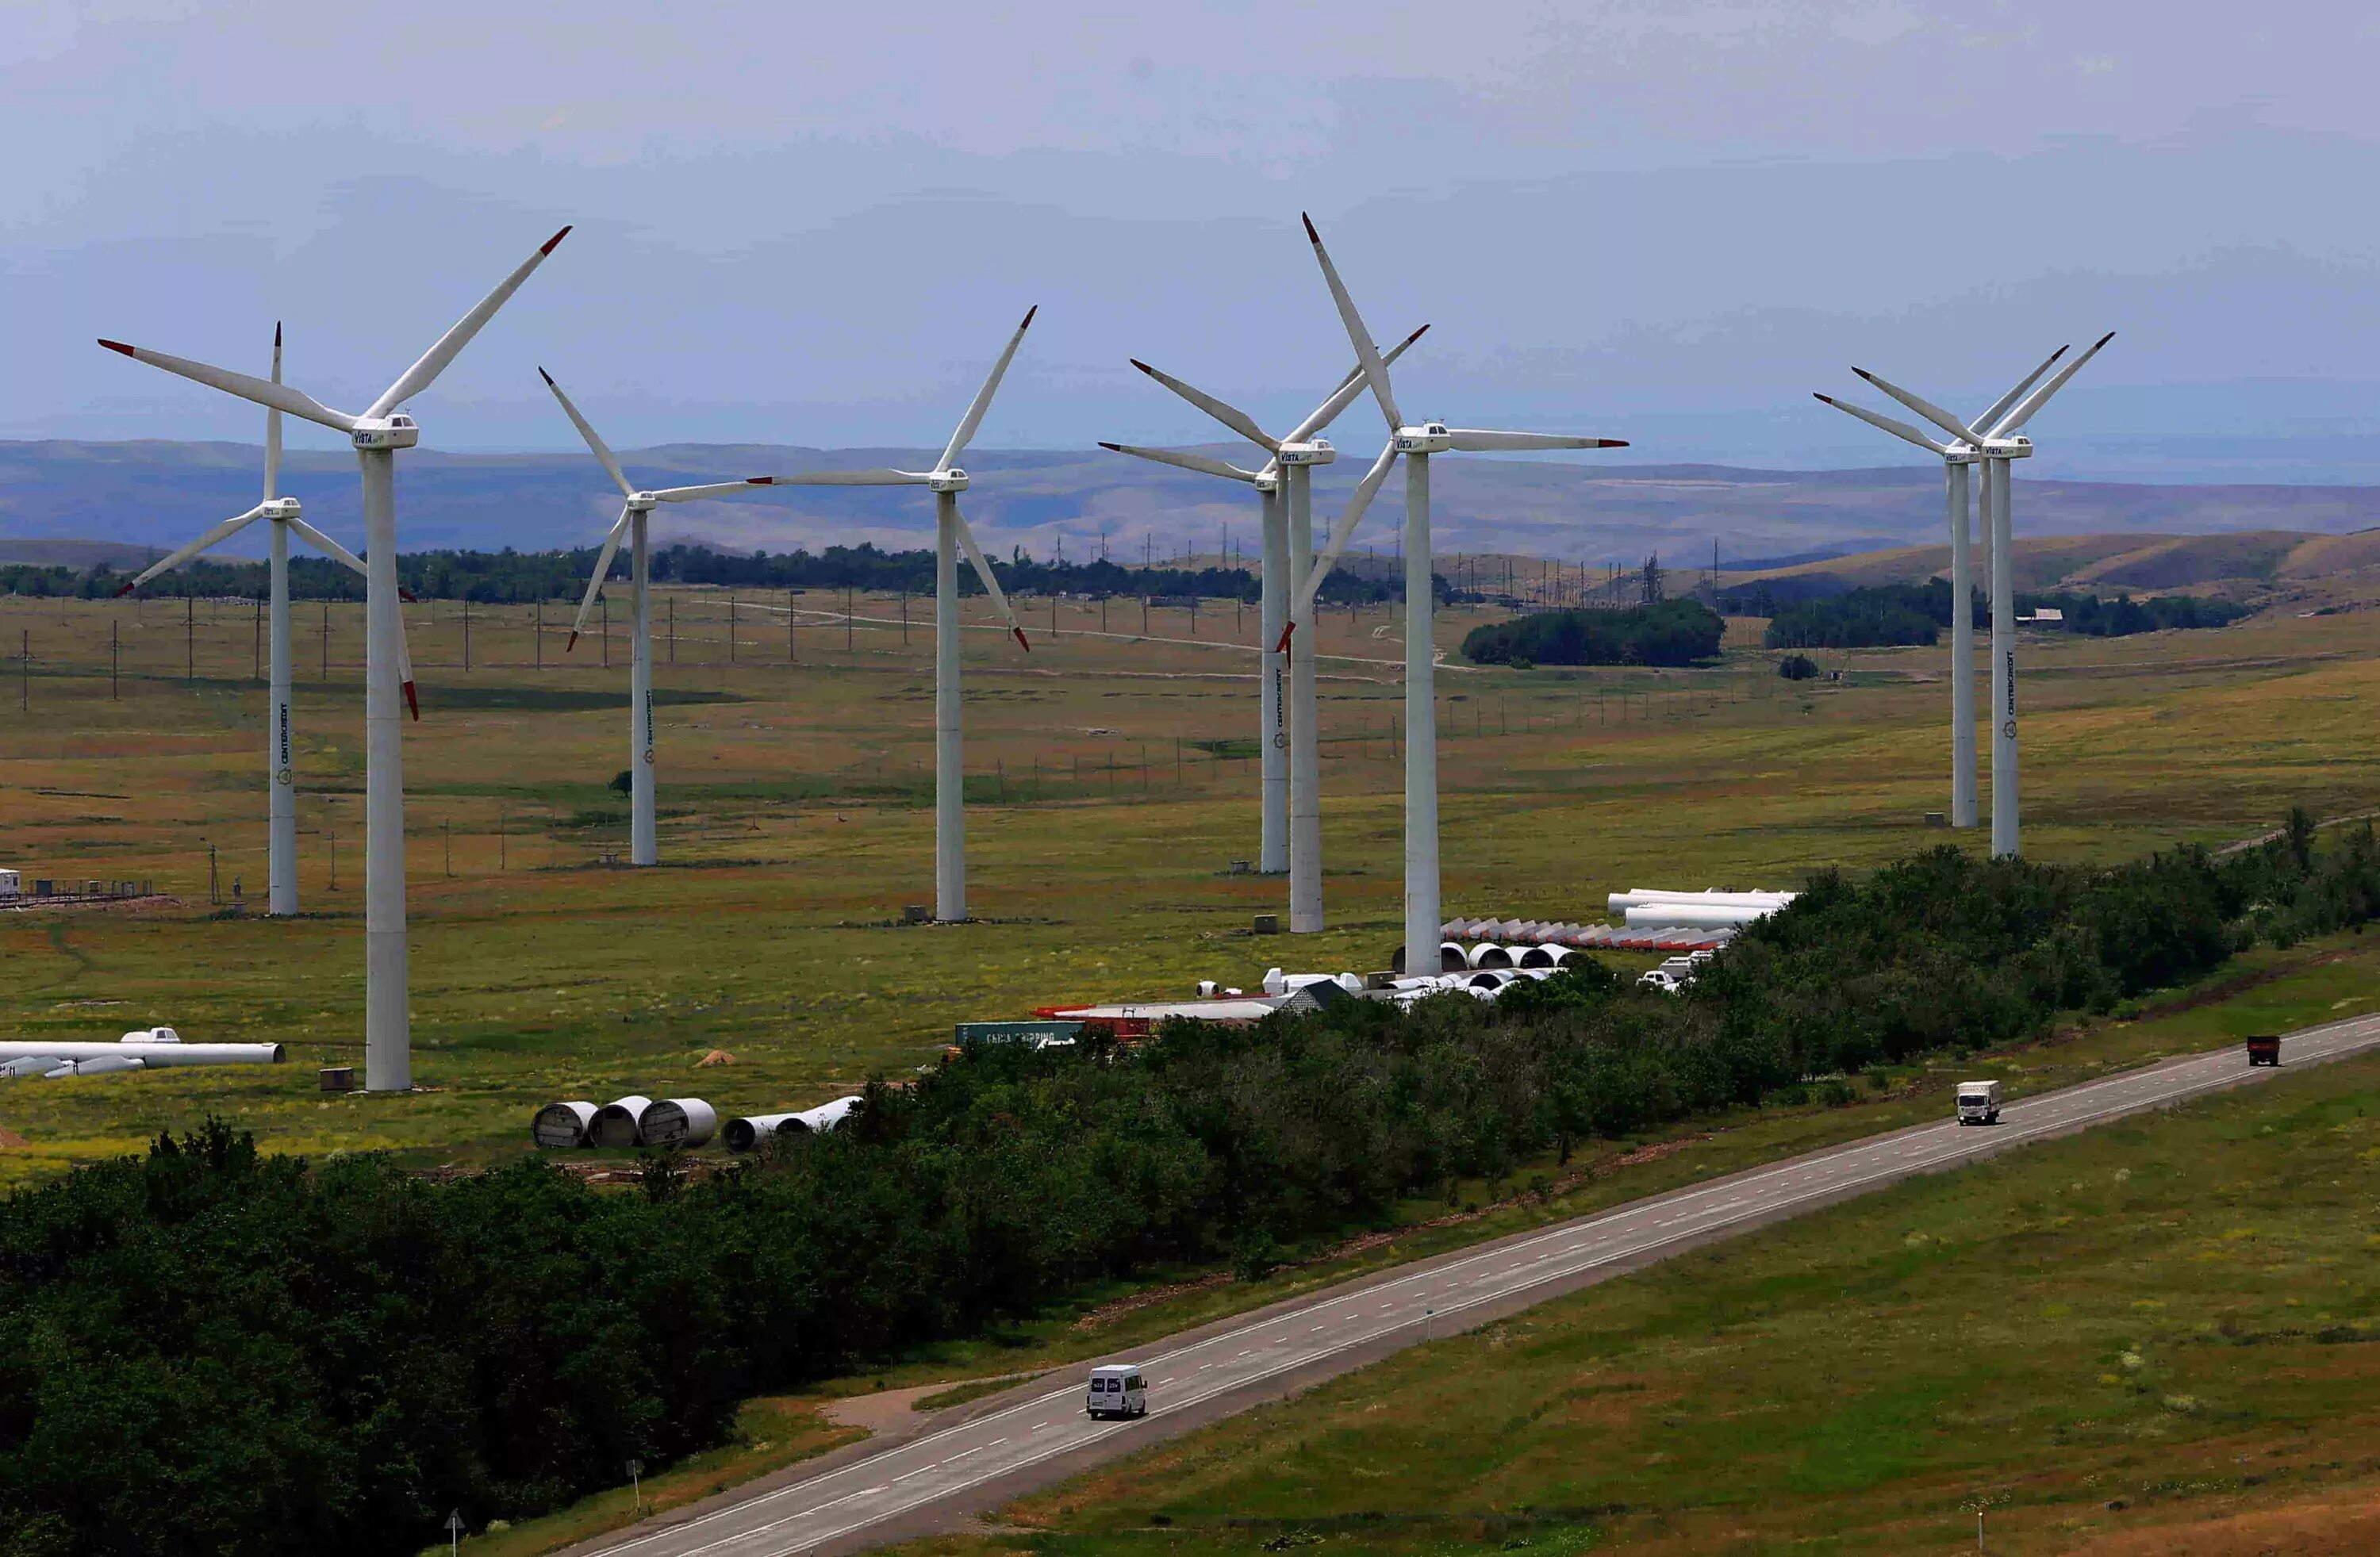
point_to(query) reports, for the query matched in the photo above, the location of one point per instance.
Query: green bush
(1665, 632)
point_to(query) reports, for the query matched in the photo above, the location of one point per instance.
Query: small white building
(2043, 616)
(10, 885)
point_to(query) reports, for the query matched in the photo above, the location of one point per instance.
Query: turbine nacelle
(641, 502)
(1313, 452)
(1426, 438)
(950, 478)
(384, 432)
(2006, 448)
(281, 509)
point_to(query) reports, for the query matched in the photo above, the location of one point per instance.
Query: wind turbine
(1417, 442)
(1299, 452)
(1956, 456)
(280, 762)
(377, 434)
(1995, 440)
(642, 848)
(946, 481)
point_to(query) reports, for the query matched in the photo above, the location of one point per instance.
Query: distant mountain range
(151, 494)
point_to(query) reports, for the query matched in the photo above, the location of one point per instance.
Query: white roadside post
(376, 435)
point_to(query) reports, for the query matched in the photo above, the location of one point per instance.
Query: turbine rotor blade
(273, 428)
(1925, 408)
(1342, 532)
(594, 443)
(1202, 464)
(1480, 440)
(983, 572)
(1230, 416)
(880, 477)
(1898, 430)
(711, 489)
(595, 581)
(326, 546)
(264, 391)
(425, 371)
(2040, 397)
(2001, 406)
(1349, 388)
(1376, 372)
(974, 417)
(207, 538)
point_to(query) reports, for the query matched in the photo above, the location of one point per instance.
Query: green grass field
(1110, 787)
(2157, 1336)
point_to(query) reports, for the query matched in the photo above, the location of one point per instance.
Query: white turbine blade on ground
(974, 417)
(420, 377)
(1349, 388)
(1202, 464)
(1925, 408)
(1897, 428)
(2001, 406)
(2040, 397)
(224, 531)
(263, 390)
(1376, 372)
(272, 427)
(595, 443)
(711, 489)
(1230, 416)
(1481, 440)
(1340, 534)
(879, 476)
(983, 572)
(602, 571)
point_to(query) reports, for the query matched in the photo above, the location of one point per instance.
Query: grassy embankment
(795, 827)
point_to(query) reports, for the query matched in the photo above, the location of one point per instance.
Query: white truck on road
(1979, 1102)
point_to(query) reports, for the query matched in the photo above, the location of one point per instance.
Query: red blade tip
(1020, 639)
(557, 237)
(126, 590)
(116, 345)
(1283, 646)
(571, 645)
(412, 701)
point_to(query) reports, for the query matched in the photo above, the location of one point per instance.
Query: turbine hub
(952, 480)
(642, 501)
(386, 432)
(1316, 452)
(1428, 437)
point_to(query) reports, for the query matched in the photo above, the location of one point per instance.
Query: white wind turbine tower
(280, 742)
(377, 433)
(642, 847)
(1994, 437)
(1417, 442)
(946, 481)
(1295, 455)
(1957, 457)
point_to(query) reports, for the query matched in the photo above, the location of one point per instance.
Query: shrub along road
(1032, 1437)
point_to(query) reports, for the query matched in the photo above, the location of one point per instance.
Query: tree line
(510, 577)
(212, 1349)
(1658, 632)
(1880, 616)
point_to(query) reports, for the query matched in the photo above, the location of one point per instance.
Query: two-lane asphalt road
(868, 1495)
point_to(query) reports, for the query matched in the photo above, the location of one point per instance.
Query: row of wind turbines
(1291, 576)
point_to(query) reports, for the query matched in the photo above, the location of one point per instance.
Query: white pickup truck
(1979, 1102)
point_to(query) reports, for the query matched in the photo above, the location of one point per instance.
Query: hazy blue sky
(815, 225)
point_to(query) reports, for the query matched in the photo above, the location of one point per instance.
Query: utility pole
(789, 626)
(538, 632)
(672, 629)
(189, 638)
(111, 660)
(25, 669)
(846, 618)
(607, 631)
(730, 627)
(258, 673)
(326, 640)
(467, 632)
(502, 864)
